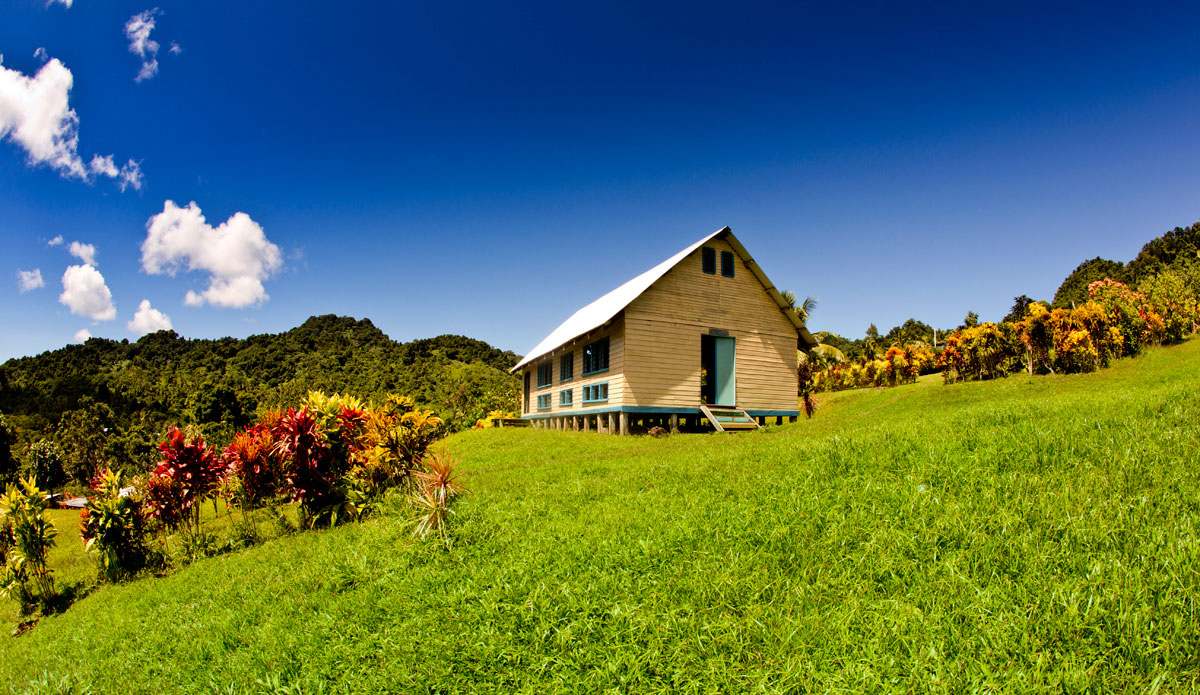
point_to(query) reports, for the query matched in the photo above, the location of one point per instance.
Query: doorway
(718, 374)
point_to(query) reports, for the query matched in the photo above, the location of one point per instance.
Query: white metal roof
(605, 308)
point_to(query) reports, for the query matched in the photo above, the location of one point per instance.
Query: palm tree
(804, 310)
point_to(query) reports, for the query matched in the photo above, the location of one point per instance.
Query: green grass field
(1026, 535)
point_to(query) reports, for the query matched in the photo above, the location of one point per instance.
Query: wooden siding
(662, 338)
(615, 375)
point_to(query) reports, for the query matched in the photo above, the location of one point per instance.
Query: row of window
(595, 360)
(592, 393)
(708, 261)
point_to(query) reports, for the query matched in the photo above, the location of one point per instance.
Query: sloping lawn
(1026, 535)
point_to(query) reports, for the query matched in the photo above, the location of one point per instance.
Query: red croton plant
(188, 473)
(253, 459)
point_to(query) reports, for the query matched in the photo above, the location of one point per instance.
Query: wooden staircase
(729, 419)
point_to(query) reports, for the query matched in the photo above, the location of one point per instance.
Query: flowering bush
(978, 352)
(491, 418)
(898, 367)
(1130, 311)
(1077, 353)
(1036, 334)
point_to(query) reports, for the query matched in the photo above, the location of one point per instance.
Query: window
(545, 374)
(566, 396)
(544, 402)
(595, 357)
(566, 367)
(708, 260)
(595, 393)
(727, 263)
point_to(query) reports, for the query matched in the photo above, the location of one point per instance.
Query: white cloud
(148, 320)
(29, 280)
(56, 241)
(84, 252)
(149, 69)
(237, 254)
(36, 114)
(130, 176)
(175, 49)
(85, 293)
(64, 3)
(82, 335)
(40, 54)
(137, 30)
(104, 165)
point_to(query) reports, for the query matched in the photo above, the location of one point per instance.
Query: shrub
(45, 463)
(188, 474)
(313, 474)
(393, 441)
(255, 467)
(8, 464)
(29, 535)
(985, 351)
(1077, 353)
(1174, 303)
(1036, 334)
(490, 419)
(113, 527)
(1129, 311)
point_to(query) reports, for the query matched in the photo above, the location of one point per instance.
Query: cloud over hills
(86, 294)
(236, 254)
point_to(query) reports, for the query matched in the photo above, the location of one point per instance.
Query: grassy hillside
(1030, 534)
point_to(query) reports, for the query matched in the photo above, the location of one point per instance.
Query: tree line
(1102, 310)
(69, 413)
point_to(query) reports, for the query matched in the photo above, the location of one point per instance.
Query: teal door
(726, 374)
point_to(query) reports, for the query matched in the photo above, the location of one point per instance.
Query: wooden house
(701, 340)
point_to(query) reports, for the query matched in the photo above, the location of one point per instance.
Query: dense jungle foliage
(108, 403)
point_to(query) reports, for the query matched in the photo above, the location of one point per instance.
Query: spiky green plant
(32, 536)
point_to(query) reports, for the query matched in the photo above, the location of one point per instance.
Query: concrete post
(674, 423)
(624, 423)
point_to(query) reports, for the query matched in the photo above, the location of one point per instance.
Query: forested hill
(131, 390)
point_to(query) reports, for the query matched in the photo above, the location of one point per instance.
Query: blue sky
(485, 170)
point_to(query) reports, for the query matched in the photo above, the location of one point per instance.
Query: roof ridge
(601, 310)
